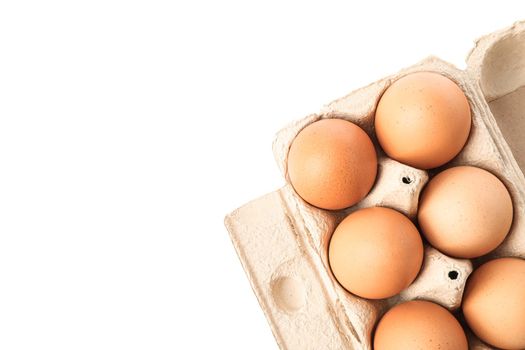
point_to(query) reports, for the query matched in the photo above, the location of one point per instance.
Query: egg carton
(282, 241)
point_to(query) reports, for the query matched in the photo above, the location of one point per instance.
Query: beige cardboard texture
(498, 64)
(282, 241)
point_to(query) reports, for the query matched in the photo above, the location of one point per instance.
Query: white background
(128, 129)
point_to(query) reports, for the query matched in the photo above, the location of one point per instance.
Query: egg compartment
(282, 241)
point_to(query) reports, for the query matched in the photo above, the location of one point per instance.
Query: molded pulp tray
(282, 241)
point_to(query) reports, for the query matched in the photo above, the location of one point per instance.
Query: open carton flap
(497, 62)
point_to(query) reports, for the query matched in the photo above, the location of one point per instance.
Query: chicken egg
(494, 303)
(417, 325)
(332, 164)
(465, 212)
(375, 252)
(423, 120)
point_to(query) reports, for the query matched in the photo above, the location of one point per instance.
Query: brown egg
(332, 164)
(375, 252)
(423, 120)
(419, 325)
(465, 212)
(494, 303)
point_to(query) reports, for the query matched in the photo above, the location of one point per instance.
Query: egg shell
(419, 324)
(282, 241)
(494, 303)
(375, 252)
(423, 119)
(332, 164)
(465, 212)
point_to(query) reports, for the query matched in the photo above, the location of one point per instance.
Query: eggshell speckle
(418, 325)
(494, 303)
(375, 252)
(465, 212)
(423, 120)
(332, 164)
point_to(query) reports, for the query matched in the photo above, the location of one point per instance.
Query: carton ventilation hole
(406, 180)
(453, 275)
